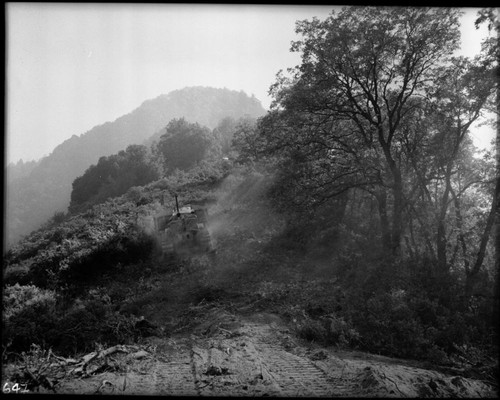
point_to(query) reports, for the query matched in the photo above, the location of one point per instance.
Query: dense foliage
(371, 114)
(57, 276)
(113, 176)
(375, 122)
(184, 148)
(183, 145)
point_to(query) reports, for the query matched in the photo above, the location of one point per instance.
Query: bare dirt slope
(254, 355)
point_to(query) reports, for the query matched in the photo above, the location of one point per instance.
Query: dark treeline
(182, 146)
(113, 176)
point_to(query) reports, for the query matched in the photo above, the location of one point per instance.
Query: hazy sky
(73, 66)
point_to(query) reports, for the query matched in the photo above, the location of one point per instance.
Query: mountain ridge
(32, 199)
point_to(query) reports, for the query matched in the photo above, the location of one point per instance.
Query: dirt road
(257, 356)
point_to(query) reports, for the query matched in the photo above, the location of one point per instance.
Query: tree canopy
(380, 107)
(113, 176)
(183, 144)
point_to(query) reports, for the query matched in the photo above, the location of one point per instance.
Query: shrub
(328, 330)
(90, 323)
(17, 273)
(134, 194)
(17, 298)
(35, 323)
(311, 330)
(108, 257)
(69, 331)
(58, 217)
(341, 333)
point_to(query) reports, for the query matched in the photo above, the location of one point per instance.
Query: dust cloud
(242, 207)
(242, 223)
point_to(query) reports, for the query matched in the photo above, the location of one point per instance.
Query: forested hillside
(182, 147)
(33, 198)
(355, 217)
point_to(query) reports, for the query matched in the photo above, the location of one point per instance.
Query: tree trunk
(397, 213)
(441, 241)
(341, 209)
(460, 236)
(441, 246)
(384, 220)
(397, 193)
(472, 275)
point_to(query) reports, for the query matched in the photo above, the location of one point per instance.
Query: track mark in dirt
(296, 376)
(251, 362)
(259, 357)
(175, 378)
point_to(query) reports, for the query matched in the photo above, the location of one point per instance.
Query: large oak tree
(346, 113)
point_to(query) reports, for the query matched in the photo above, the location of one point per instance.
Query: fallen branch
(66, 361)
(225, 331)
(112, 350)
(89, 357)
(390, 380)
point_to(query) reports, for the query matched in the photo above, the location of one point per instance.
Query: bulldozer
(183, 232)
